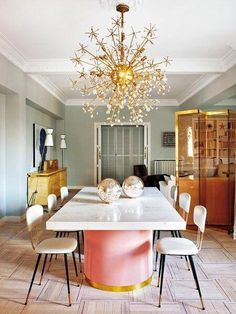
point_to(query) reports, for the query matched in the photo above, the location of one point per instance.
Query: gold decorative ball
(109, 190)
(133, 186)
(122, 75)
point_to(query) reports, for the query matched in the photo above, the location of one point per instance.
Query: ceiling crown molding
(199, 84)
(50, 87)
(8, 50)
(211, 68)
(229, 59)
(50, 66)
(178, 66)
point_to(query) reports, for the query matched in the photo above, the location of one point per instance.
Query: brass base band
(101, 286)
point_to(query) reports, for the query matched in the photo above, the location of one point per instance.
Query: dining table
(118, 250)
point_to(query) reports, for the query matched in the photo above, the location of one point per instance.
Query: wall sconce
(62, 147)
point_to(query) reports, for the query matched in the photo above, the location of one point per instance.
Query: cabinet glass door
(189, 149)
(232, 163)
(206, 162)
(217, 150)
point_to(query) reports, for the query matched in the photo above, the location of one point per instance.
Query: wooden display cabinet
(206, 162)
(41, 184)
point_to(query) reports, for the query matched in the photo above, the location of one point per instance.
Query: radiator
(164, 167)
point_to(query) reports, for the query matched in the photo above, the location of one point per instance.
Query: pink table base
(118, 260)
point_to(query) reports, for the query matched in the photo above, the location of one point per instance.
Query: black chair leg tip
(25, 303)
(203, 308)
(69, 304)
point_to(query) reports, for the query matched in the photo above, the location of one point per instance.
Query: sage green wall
(17, 87)
(2, 156)
(79, 128)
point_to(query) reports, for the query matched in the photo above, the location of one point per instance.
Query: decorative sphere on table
(133, 186)
(109, 190)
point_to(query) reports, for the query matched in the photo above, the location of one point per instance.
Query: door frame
(97, 146)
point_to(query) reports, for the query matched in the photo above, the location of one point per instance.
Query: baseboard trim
(2, 220)
(12, 219)
(74, 187)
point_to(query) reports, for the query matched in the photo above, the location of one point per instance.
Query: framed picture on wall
(168, 139)
(39, 150)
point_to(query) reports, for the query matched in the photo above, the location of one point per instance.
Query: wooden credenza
(45, 183)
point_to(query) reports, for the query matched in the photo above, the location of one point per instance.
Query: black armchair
(148, 180)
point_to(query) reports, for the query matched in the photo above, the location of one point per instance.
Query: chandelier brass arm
(121, 74)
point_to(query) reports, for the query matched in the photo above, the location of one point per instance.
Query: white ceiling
(199, 35)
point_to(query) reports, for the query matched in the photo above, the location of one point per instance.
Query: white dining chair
(34, 218)
(184, 205)
(183, 247)
(173, 194)
(52, 204)
(64, 194)
(165, 187)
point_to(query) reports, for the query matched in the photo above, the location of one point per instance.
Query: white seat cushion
(56, 246)
(176, 246)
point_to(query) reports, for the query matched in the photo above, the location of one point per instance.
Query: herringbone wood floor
(216, 267)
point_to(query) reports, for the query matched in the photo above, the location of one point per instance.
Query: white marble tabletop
(85, 211)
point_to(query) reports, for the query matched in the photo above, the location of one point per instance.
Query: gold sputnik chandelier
(120, 74)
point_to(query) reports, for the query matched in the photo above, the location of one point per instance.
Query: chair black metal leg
(158, 237)
(179, 234)
(159, 273)
(153, 237)
(58, 236)
(162, 277)
(187, 263)
(44, 263)
(50, 258)
(196, 279)
(32, 280)
(82, 232)
(67, 278)
(76, 272)
(172, 233)
(78, 245)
